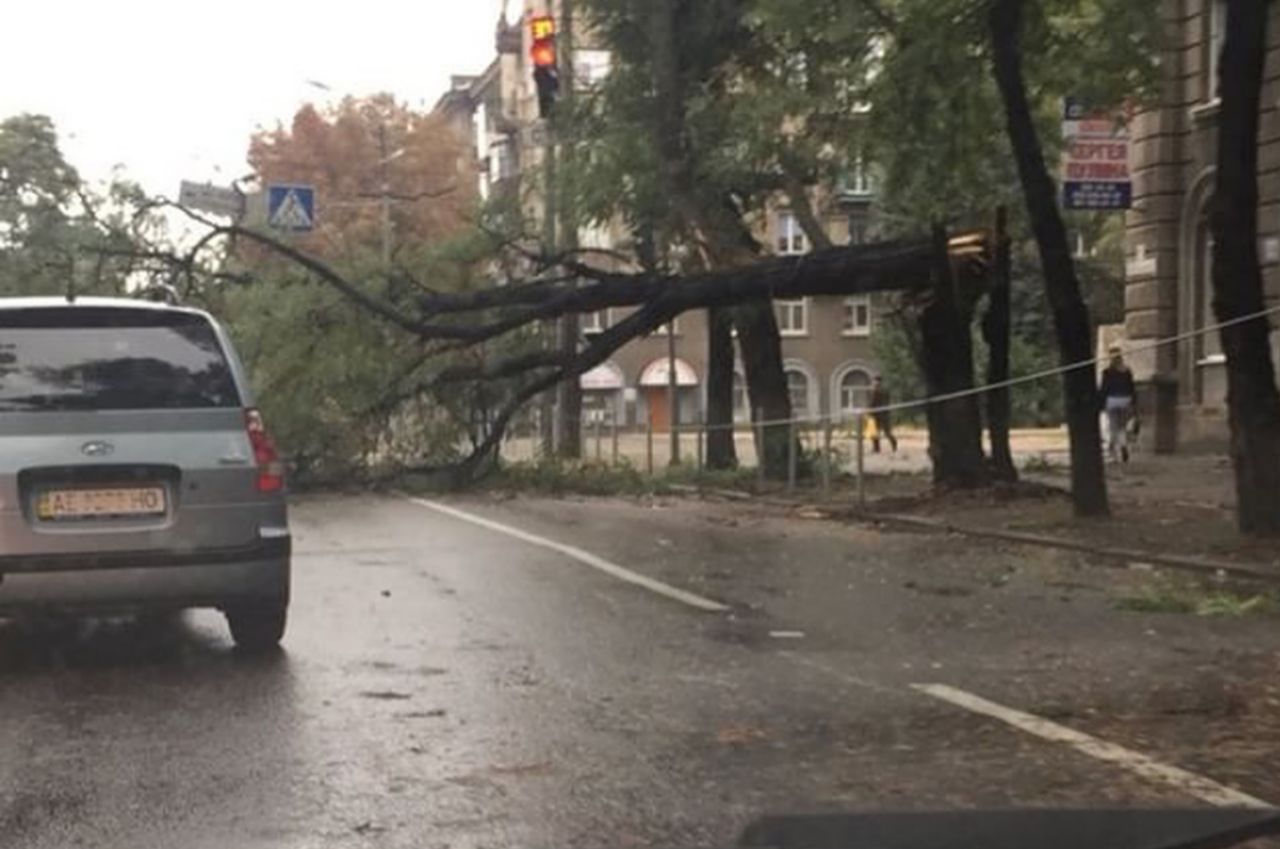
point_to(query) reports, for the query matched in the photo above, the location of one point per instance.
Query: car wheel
(257, 628)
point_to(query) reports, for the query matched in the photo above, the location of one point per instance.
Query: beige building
(1168, 290)
(827, 342)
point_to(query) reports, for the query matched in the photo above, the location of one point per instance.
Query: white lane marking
(1205, 789)
(599, 563)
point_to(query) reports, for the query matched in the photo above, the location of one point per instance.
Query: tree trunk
(721, 450)
(569, 393)
(955, 426)
(1070, 315)
(1252, 399)
(996, 333)
(569, 396)
(761, 347)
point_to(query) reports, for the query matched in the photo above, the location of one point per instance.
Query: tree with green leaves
(959, 75)
(345, 390)
(58, 235)
(660, 127)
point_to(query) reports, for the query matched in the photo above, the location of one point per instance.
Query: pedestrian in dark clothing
(880, 397)
(1118, 398)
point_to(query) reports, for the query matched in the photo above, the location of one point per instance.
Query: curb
(1199, 565)
(1128, 555)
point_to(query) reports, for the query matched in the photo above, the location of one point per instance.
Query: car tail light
(265, 455)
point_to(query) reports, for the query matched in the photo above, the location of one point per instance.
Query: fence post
(648, 443)
(826, 454)
(862, 489)
(613, 424)
(759, 429)
(698, 437)
(792, 434)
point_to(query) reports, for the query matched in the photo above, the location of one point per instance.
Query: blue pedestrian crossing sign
(291, 208)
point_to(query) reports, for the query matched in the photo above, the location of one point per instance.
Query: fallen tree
(570, 284)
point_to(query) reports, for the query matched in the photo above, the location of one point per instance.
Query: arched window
(1210, 344)
(855, 391)
(798, 388)
(741, 404)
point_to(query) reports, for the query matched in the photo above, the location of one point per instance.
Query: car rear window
(70, 358)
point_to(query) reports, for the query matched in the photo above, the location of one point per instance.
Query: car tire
(257, 628)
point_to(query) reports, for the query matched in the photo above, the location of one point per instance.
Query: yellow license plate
(122, 502)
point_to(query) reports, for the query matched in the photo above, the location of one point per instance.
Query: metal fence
(828, 446)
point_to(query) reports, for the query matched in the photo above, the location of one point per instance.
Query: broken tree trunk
(721, 449)
(955, 427)
(760, 346)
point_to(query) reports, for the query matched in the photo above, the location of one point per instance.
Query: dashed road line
(1205, 789)
(1144, 766)
(585, 557)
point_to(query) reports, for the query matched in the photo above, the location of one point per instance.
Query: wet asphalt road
(446, 685)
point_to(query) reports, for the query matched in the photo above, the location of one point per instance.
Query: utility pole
(550, 412)
(546, 77)
(569, 392)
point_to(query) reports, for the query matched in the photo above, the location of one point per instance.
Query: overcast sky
(172, 90)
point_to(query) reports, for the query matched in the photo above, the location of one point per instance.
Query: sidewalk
(1165, 508)
(1172, 508)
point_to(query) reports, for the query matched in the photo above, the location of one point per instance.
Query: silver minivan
(136, 474)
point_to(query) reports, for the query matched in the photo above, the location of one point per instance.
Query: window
(68, 358)
(595, 322)
(857, 316)
(860, 179)
(859, 228)
(1217, 30)
(855, 391)
(741, 412)
(502, 159)
(1210, 343)
(590, 67)
(790, 235)
(793, 317)
(798, 389)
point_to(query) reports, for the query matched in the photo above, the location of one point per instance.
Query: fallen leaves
(738, 735)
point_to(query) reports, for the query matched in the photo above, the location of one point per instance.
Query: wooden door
(659, 409)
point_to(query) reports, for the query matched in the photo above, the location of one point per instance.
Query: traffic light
(546, 70)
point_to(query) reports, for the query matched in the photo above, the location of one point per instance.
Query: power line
(1016, 381)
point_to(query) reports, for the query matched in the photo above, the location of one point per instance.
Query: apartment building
(1168, 289)
(828, 343)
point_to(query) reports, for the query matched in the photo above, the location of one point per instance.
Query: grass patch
(1167, 597)
(1039, 463)
(559, 477)
(555, 476)
(743, 480)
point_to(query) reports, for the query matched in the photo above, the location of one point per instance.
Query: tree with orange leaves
(389, 181)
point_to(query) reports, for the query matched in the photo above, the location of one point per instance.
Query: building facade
(1168, 291)
(828, 342)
